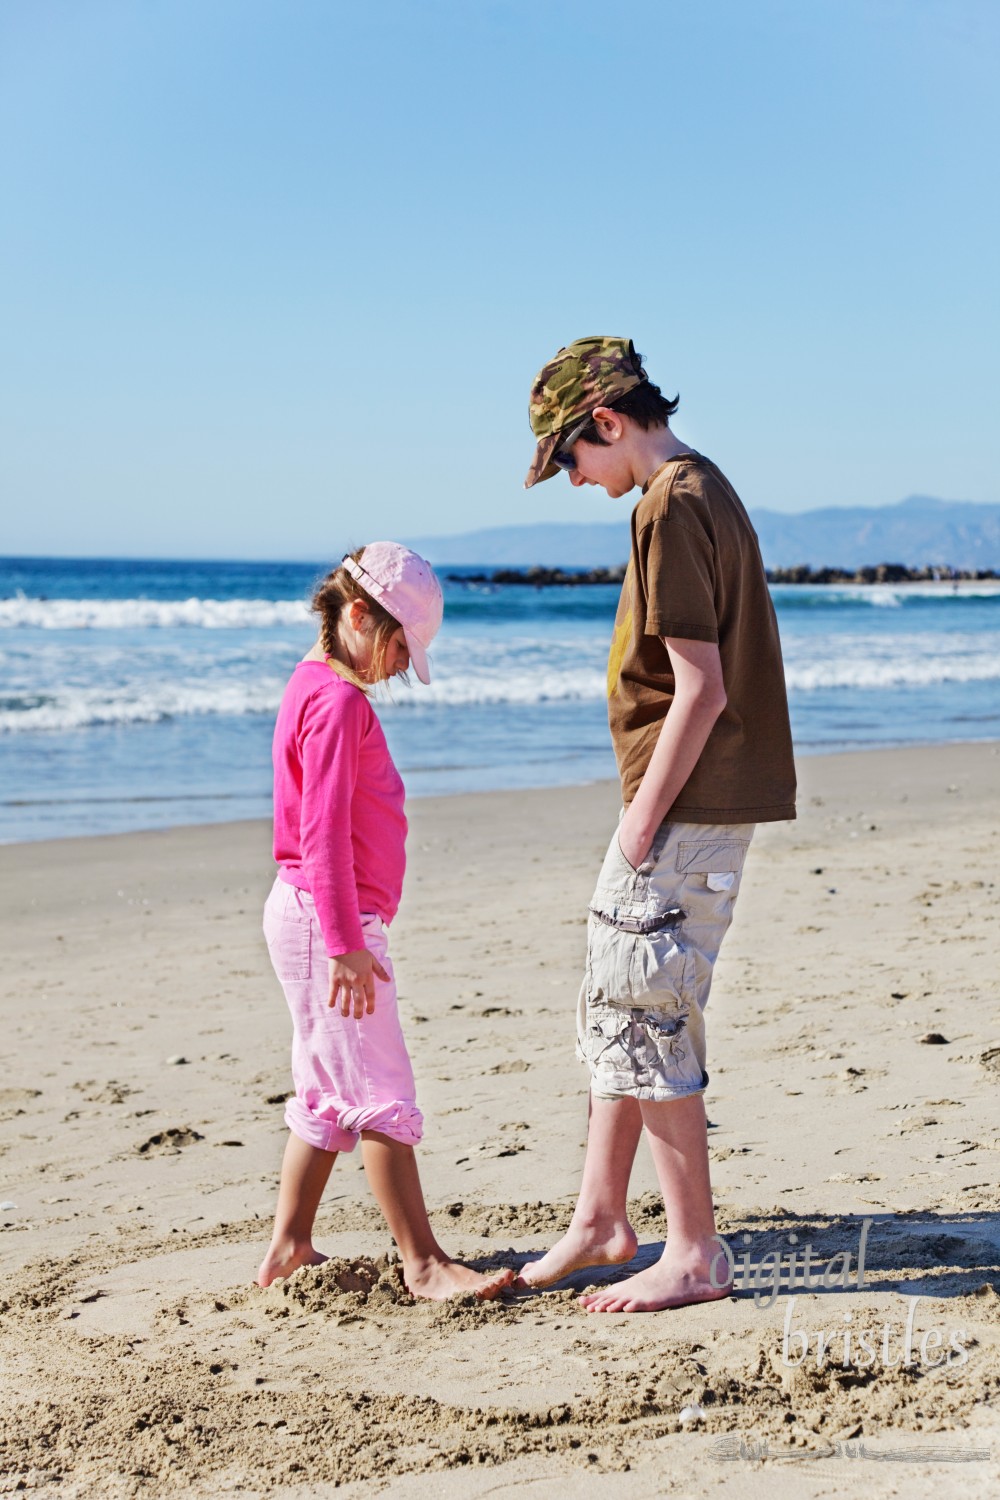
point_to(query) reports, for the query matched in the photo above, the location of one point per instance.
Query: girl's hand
(352, 977)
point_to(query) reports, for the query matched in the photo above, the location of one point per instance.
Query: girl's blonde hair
(338, 590)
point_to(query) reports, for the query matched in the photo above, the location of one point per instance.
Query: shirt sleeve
(677, 574)
(332, 729)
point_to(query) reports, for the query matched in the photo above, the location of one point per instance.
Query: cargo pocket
(633, 959)
(642, 1053)
(664, 972)
(288, 945)
(610, 958)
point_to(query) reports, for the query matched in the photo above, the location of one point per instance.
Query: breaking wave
(152, 701)
(150, 614)
(89, 707)
(904, 672)
(21, 610)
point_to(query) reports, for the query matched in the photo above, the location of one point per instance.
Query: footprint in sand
(111, 1092)
(12, 1101)
(168, 1142)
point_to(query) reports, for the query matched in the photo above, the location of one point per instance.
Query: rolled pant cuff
(650, 1095)
(325, 1135)
(400, 1121)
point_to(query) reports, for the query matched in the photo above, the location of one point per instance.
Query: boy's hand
(352, 977)
(634, 845)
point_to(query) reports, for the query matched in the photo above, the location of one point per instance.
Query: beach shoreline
(147, 1061)
(802, 753)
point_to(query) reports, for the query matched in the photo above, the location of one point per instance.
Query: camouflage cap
(587, 373)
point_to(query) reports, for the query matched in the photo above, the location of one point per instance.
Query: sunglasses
(562, 457)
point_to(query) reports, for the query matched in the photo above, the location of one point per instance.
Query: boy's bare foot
(665, 1284)
(438, 1279)
(284, 1258)
(582, 1245)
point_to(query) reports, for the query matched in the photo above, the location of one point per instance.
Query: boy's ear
(609, 422)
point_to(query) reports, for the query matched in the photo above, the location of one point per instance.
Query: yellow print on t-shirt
(619, 645)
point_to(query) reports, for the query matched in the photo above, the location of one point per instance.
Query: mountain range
(918, 531)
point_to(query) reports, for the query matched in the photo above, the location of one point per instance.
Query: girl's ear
(357, 613)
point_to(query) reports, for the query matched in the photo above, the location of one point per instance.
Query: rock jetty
(543, 578)
(881, 573)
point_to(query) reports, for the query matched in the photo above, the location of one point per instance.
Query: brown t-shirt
(696, 572)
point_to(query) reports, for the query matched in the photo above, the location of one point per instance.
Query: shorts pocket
(711, 856)
(288, 943)
(629, 869)
(616, 874)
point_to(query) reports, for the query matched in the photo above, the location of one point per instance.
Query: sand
(146, 1049)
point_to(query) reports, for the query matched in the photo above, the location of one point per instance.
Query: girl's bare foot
(438, 1279)
(668, 1283)
(285, 1257)
(596, 1244)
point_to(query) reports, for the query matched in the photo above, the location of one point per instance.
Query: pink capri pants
(350, 1075)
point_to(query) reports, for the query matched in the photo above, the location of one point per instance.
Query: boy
(699, 722)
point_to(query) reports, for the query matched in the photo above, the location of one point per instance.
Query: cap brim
(418, 656)
(542, 466)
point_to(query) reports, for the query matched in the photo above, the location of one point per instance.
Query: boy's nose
(576, 478)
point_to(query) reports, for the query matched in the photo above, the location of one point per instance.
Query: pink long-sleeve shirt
(339, 825)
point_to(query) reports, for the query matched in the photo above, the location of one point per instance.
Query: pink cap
(405, 585)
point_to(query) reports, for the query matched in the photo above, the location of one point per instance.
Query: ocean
(141, 694)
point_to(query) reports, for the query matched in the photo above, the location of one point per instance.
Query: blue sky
(269, 266)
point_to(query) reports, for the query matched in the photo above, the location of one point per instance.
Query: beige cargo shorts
(653, 935)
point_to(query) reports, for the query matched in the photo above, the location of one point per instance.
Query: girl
(339, 832)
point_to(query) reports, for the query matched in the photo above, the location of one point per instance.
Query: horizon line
(443, 536)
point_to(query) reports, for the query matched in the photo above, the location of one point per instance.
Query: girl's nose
(576, 478)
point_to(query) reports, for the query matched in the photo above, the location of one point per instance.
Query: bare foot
(284, 1258)
(666, 1284)
(438, 1279)
(581, 1245)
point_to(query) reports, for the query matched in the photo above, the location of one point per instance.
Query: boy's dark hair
(646, 405)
